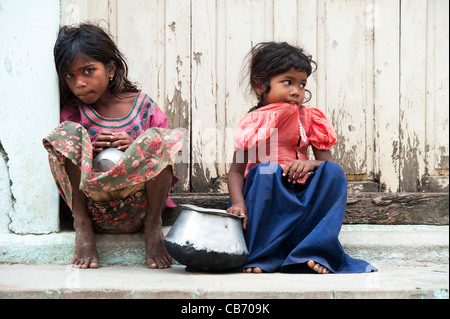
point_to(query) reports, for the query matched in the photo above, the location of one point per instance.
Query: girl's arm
(322, 155)
(236, 185)
(298, 169)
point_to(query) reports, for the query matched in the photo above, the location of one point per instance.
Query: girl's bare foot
(86, 255)
(156, 255)
(254, 270)
(317, 267)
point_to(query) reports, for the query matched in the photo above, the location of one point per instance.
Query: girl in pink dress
(100, 109)
(293, 207)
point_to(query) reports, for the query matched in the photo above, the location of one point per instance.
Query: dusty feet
(86, 255)
(317, 267)
(156, 255)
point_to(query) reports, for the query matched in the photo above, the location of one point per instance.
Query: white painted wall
(28, 111)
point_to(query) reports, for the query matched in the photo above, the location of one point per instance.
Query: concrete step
(369, 242)
(412, 262)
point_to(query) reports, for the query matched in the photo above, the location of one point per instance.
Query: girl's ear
(111, 67)
(259, 87)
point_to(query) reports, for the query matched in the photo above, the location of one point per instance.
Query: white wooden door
(382, 77)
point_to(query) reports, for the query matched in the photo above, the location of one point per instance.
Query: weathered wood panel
(344, 66)
(437, 86)
(206, 114)
(412, 100)
(177, 103)
(307, 26)
(384, 16)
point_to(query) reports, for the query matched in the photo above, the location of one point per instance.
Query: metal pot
(207, 240)
(107, 159)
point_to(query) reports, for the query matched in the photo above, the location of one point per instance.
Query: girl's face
(287, 87)
(88, 79)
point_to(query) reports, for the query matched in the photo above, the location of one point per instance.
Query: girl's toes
(317, 267)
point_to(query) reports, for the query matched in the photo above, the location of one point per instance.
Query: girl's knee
(167, 171)
(164, 176)
(334, 169)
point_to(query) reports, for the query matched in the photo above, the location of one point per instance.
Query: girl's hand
(121, 140)
(104, 140)
(298, 169)
(107, 139)
(239, 210)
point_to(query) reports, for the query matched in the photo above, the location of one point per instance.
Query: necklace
(302, 131)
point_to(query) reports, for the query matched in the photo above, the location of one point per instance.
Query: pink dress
(285, 127)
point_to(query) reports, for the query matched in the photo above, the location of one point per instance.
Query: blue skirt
(289, 225)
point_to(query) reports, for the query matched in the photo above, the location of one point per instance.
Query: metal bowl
(208, 240)
(107, 159)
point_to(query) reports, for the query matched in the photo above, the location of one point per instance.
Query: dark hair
(94, 42)
(269, 59)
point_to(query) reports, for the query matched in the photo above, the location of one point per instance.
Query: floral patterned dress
(116, 199)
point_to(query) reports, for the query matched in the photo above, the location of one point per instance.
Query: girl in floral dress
(293, 207)
(101, 108)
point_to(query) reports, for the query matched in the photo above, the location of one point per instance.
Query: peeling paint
(346, 152)
(201, 179)
(198, 58)
(172, 26)
(409, 173)
(177, 112)
(177, 106)
(395, 154)
(443, 162)
(179, 62)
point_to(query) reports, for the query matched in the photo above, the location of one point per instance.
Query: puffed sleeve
(156, 117)
(321, 133)
(255, 127)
